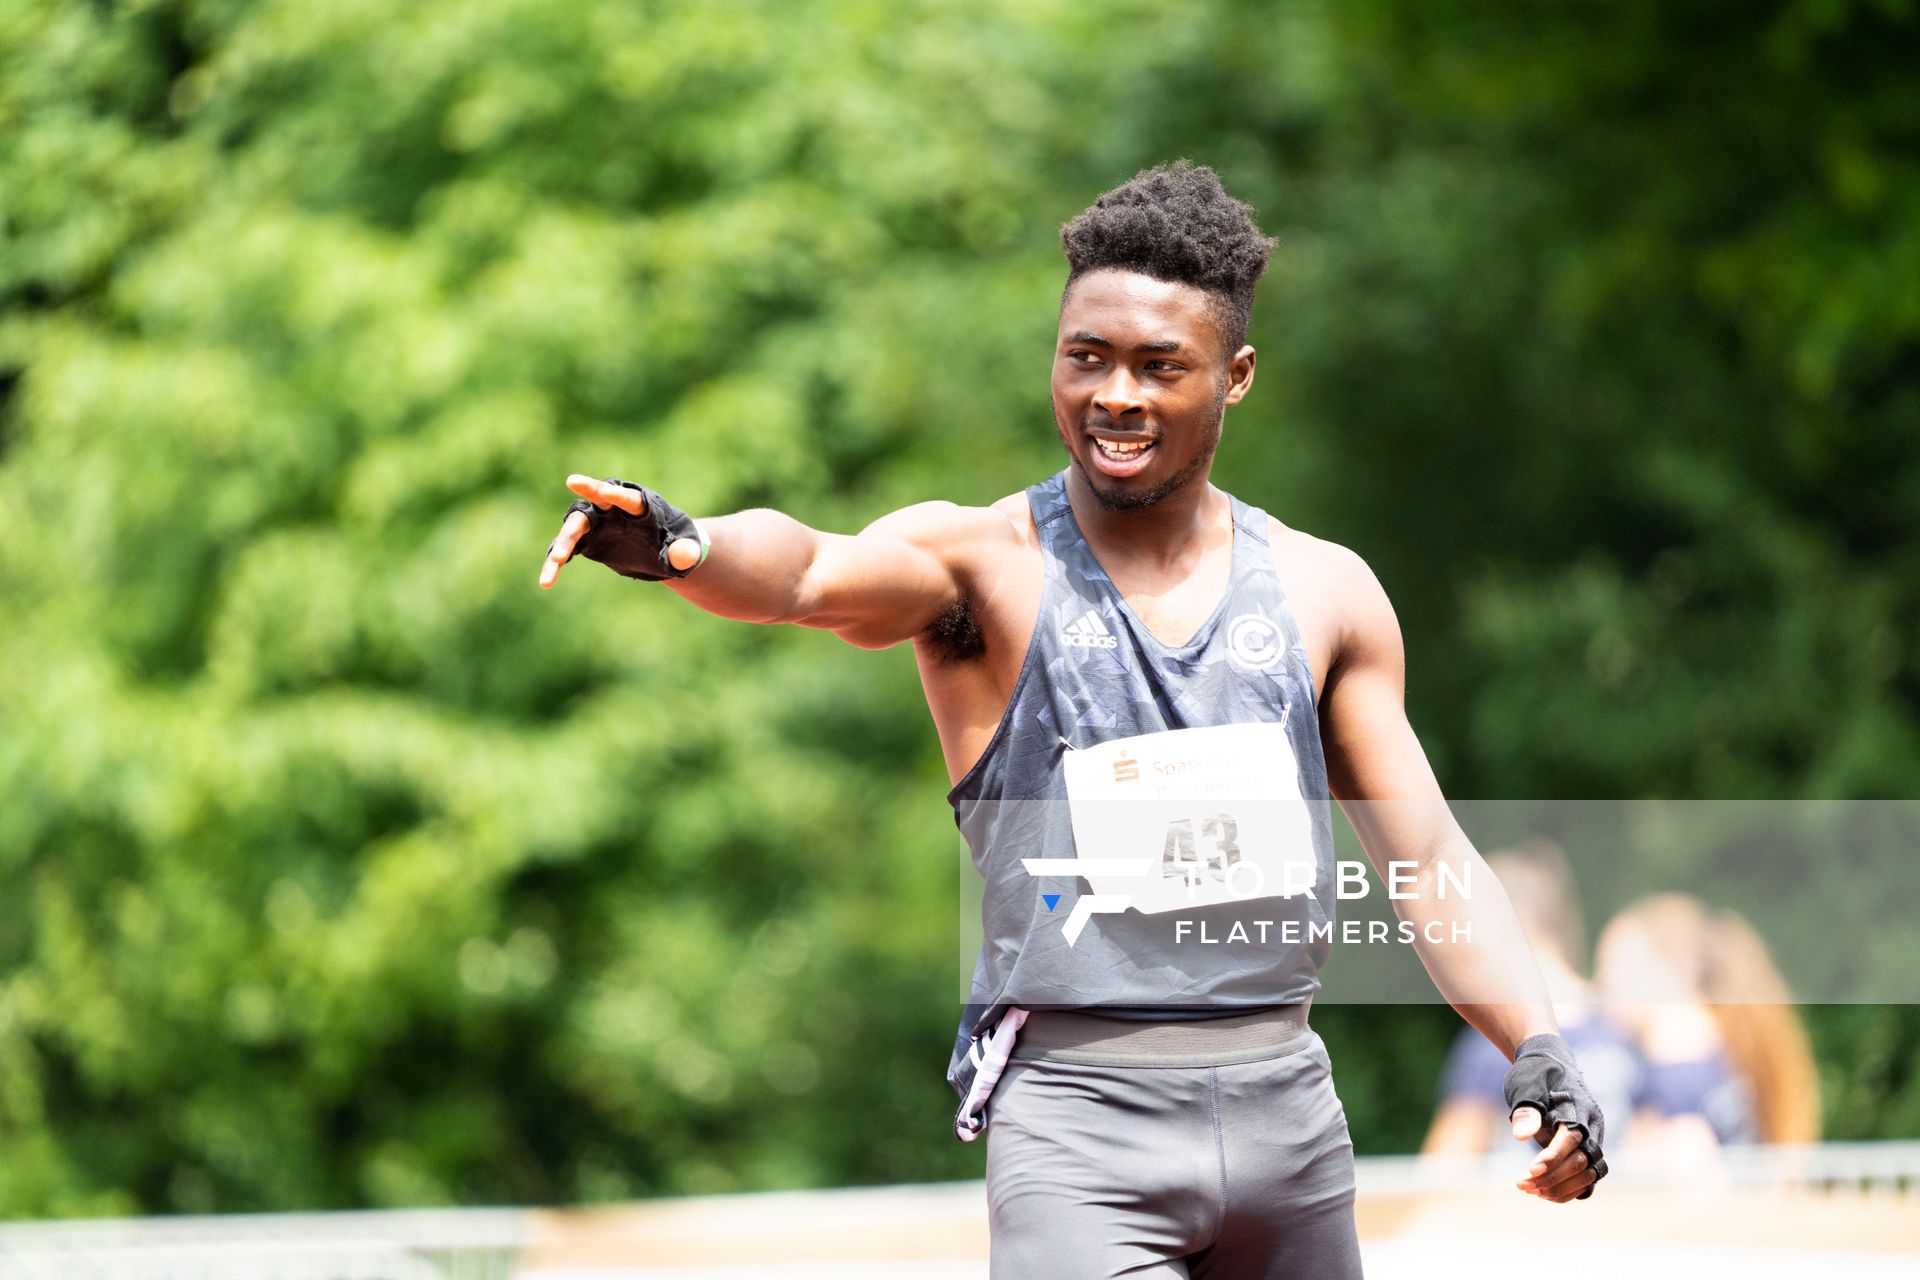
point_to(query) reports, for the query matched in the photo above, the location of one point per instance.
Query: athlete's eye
(1083, 357)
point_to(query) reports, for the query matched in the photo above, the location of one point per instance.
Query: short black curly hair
(1174, 222)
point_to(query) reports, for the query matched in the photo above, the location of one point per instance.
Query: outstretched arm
(1471, 943)
(886, 584)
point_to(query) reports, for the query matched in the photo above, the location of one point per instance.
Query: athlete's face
(1141, 384)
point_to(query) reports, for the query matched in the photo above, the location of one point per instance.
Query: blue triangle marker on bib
(1051, 899)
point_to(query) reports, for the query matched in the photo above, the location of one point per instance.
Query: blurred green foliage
(341, 866)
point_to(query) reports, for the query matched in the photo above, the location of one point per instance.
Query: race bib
(1192, 817)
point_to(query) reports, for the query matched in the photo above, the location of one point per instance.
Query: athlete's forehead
(1132, 312)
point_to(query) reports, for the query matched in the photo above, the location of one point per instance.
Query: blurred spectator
(1472, 1116)
(1727, 1060)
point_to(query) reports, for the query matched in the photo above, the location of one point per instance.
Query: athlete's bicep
(890, 581)
(1376, 767)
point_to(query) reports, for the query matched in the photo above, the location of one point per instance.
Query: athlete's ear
(1239, 375)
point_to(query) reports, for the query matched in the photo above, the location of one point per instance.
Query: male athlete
(1145, 690)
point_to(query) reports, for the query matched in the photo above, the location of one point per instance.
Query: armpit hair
(954, 636)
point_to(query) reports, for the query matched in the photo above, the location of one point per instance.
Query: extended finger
(1527, 1122)
(604, 495)
(562, 547)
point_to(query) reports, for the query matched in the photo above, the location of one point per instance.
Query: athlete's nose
(1119, 395)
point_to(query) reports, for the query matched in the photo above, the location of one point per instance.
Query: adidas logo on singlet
(1088, 632)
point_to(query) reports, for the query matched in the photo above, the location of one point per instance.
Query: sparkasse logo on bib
(1088, 632)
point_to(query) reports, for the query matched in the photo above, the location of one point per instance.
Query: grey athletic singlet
(1093, 674)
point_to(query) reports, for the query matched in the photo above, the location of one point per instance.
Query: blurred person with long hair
(1727, 1061)
(1471, 1118)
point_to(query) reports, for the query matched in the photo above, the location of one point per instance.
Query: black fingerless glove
(636, 546)
(1546, 1076)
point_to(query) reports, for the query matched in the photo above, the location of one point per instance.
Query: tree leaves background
(340, 866)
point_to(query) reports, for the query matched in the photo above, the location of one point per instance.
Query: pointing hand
(611, 496)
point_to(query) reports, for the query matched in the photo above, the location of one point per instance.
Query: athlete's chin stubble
(1120, 500)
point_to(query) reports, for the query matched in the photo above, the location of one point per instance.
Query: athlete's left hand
(1544, 1086)
(1560, 1173)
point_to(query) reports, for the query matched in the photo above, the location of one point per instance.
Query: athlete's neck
(1160, 535)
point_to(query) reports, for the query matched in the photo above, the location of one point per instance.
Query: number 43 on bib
(1214, 815)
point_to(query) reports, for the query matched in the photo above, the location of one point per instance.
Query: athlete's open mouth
(1121, 457)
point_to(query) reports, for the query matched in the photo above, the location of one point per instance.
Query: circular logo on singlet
(1254, 640)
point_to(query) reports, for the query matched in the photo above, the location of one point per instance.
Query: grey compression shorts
(1155, 1150)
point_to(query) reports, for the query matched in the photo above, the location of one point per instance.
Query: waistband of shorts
(1087, 1039)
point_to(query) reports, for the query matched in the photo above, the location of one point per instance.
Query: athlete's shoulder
(948, 526)
(1017, 510)
(1326, 561)
(1342, 581)
(977, 545)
